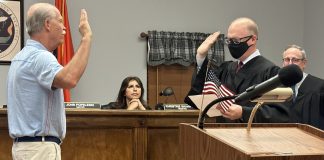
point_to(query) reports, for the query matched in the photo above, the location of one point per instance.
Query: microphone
(287, 76)
(166, 92)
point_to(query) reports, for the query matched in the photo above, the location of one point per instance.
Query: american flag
(214, 86)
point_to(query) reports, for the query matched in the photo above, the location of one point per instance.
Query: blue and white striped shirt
(34, 108)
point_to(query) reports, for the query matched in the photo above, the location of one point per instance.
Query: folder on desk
(201, 101)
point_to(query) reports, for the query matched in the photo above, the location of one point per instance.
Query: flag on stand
(65, 51)
(214, 86)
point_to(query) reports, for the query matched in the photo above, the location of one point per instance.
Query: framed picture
(11, 29)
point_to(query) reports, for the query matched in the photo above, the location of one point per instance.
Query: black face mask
(237, 50)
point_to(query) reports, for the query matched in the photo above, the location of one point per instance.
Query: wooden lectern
(264, 141)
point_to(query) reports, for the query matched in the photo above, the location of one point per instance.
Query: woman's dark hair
(121, 99)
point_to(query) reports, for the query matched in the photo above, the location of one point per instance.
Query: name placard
(176, 107)
(82, 105)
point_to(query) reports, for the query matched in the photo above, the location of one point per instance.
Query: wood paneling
(98, 144)
(176, 76)
(164, 140)
(94, 134)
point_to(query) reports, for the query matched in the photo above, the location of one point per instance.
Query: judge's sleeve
(197, 85)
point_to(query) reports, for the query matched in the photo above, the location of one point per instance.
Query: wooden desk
(94, 134)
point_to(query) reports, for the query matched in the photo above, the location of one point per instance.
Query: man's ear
(47, 25)
(254, 38)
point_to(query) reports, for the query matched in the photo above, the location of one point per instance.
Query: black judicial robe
(256, 71)
(308, 107)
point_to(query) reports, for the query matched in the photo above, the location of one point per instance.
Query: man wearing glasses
(307, 106)
(250, 69)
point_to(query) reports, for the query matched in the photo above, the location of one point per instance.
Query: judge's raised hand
(84, 26)
(135, 104)
(206, 45)
(234, 112)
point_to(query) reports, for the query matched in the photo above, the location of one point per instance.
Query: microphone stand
(255, 108)
(201, 119)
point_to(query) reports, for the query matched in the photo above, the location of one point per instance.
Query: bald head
(37, 14)
(245, 23)
(245, 32)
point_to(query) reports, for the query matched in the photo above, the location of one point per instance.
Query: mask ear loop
(252, 39)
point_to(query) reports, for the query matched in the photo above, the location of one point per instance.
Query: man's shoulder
(263, 63)
(39, 55)
(312, 84)
(315, 80)
(264, 60)
(227, 63)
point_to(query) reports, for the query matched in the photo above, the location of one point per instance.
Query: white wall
(117, 50)
(314, 36)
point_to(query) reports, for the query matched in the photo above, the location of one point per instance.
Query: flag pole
(203, 95)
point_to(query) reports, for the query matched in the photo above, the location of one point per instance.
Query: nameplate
(82, 105)
(176, 107)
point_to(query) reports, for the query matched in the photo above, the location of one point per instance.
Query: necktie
(239, 66)
(294, 93)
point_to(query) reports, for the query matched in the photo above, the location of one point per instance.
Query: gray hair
(36, 18)
(302, 51)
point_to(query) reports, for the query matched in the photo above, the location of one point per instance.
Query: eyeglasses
(237, 40)
(293, 60)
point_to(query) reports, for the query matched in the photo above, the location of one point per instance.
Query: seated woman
(130, 96)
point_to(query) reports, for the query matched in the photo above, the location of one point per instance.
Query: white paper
(201, 101)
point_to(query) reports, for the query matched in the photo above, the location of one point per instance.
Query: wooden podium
(263, 141)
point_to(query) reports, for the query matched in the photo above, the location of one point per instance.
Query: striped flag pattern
(214, 86)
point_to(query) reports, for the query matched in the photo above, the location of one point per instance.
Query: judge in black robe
(241, 40)
(256, 71)
(308, 107)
